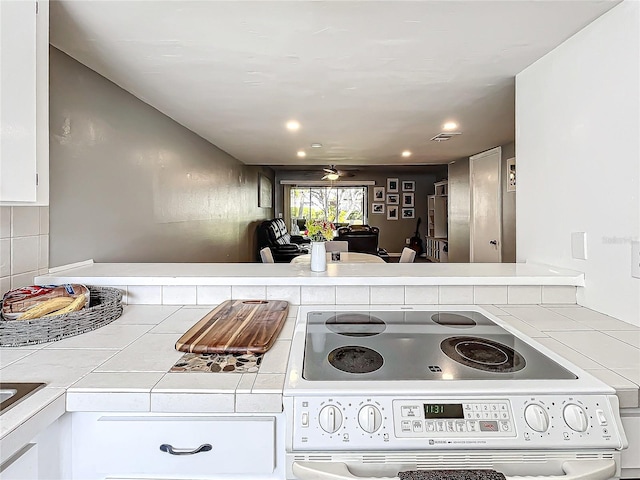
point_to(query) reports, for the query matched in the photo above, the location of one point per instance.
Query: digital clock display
(443, 410)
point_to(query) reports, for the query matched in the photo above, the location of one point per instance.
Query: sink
(13, 393)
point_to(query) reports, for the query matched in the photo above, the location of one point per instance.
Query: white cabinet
(47, 454)
(204, 446)
(22, 466)
(631, 456)
(24, 124)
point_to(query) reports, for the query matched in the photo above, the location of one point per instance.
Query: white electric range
(373, 391)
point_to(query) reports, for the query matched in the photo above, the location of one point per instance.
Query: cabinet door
(18, 101)
(631, 456)
(22, 466)
(133, 447)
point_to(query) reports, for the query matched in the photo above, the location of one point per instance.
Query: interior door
(486, 206)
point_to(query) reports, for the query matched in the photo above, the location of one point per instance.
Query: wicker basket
(104, 307)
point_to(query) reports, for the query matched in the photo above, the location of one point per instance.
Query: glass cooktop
(424, 345)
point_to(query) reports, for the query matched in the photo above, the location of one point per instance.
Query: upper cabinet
(24, 99)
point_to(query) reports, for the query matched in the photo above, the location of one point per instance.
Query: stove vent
(444, 136)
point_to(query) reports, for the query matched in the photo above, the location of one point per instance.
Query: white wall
(578, 158)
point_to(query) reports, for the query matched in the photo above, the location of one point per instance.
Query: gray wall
(392, 232)
(128, 184)
(459, 210)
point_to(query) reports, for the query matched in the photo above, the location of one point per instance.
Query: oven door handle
(574, 470)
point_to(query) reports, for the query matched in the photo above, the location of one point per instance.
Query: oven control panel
(450, 419)
(383, 422)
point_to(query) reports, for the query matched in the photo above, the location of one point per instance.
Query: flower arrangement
(320, 230)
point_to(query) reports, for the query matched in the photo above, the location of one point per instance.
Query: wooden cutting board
(236, 326)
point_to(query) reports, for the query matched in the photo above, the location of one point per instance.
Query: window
(337, 204)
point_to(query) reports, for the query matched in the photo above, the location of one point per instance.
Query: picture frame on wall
(265, 192)
(377, 208)
(392, 185)
(378, 194)
(393, 199)
(392, 212)
(408, 186)
(408, 213)
(408, 200)
(511, 175)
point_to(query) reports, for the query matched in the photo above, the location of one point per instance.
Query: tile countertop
(296, 274)
(122, 367)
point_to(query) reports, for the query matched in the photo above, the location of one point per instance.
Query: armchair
(284, 247)
(361, 238)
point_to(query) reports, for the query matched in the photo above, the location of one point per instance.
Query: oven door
(518, 466)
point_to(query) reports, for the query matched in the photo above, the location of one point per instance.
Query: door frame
(472, 161)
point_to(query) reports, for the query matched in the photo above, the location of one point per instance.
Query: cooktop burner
(355, 359)
(453, 320)
(483, 354)
(355, 324)
(418, 345)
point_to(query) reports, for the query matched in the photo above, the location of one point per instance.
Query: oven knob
(330, 418)
(536, 418)
(369, 418)
(575, 417)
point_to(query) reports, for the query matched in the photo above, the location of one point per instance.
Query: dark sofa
(361, 238)
(284, 247)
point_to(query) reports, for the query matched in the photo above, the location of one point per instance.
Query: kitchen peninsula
(121, 370)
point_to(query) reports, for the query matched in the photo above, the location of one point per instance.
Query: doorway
(486, 206)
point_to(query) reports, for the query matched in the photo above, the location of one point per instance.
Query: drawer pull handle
(165, 447)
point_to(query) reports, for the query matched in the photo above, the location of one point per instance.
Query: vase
(318, 257)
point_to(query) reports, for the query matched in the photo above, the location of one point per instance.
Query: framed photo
(408, 213)
(511, 175)
(409, 186)
(392, 212)
(408, 200)
(392, 185)
(378, 194)
(377, 208)
(393, 199)
(265, 192)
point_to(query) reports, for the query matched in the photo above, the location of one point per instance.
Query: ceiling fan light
(332, 176)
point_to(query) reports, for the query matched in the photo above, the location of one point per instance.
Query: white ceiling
(367, 79)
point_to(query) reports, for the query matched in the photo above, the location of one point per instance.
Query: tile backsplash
(24, 245)
(563, 297)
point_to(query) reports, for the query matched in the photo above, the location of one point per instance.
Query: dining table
(345, 257)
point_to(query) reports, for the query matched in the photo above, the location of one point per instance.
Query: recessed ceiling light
(293, 125)
(316, 145)
(302, 153)
(450, 126)
(406, 153)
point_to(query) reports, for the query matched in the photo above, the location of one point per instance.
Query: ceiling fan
(332, 173)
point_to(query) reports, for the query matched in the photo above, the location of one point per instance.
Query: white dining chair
(407, 256)
(266, 255)
(337, 246)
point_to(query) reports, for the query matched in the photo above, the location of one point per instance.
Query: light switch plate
(635, 259)
(579, 245)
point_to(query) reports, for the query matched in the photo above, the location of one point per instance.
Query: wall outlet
(407, 241)
(635, 259)
(579, 245)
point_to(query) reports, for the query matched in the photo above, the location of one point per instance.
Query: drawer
(131, 446)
